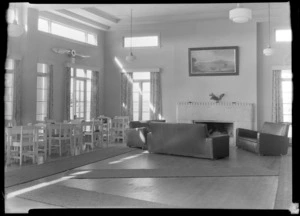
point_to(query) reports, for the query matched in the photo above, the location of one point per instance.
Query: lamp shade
(240, 15)
(130, 58)
(268, 51)
(15, 30)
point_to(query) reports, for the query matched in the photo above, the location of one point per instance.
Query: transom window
(141, 96)
(42, 89)
(283, 35)
(52, 27)
(144, 41)
(80, 93)
(9, 88)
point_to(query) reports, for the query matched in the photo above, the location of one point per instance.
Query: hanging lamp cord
(131, 33)
(269, 26)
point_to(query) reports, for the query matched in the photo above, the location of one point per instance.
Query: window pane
(146, 87)
(283, 35)
(80, 73)
(135, 116)
(9, 64)
(146, 97)
(287, 98)
(88, 96)
(40, 117)
(88, 85)
(287, 118)
(41, 108)
(43, 25)
(89, 74)
(41, 95)
(141, 76)
(8, 108)
(145, 41)
(42, 68)
(92, 39)
(287, 109)
(286, 86)
(135, 107)
(9, 80)
(136, 97)
(42, 82)
(286, 74)
(136, 87)
(67, 32)
(8, 96)
(146, 116)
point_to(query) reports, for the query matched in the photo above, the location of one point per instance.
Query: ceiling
(113, 16)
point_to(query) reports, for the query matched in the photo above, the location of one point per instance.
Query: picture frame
(214, 61)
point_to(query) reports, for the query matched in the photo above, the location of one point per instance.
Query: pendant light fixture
(268, 51)
(130, 57)
(14, 29)
(240, 15)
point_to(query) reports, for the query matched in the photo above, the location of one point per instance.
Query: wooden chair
(119, 125)
(57, 134)
(21, 143)
(105, 124)
(41, 140)
(91, 134)
(77, 139)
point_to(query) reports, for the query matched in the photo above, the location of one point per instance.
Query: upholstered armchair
(272, 140)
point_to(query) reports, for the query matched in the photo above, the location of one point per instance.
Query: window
(287, 95)
(141, 96)
(80, 93)
(65, 31)
(9, 87)
(42, 89)
(144, 41)
(283, 35)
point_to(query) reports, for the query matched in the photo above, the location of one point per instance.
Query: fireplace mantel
(239, 113)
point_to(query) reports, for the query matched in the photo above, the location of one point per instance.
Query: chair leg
(21, 155)
(59, 147)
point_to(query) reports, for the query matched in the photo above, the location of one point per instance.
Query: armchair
(272, 140)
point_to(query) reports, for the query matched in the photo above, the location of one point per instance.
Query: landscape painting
(213, 61)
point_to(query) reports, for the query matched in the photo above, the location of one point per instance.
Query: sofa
(185, 139)
(136, 134)
(271, 140)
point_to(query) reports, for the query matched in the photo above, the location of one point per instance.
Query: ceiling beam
(101, 14)
(84, 19)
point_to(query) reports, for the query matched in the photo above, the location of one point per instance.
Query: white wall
(172, 57)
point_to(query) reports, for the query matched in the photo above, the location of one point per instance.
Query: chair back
(280, 129)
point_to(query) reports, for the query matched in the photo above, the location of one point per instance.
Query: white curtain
(155, 96)
(126, 95)
(277, 102)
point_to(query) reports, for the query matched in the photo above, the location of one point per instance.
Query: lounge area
(148, 106)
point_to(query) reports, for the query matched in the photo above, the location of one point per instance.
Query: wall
(281, 57)
(38, 47)
(172, 58)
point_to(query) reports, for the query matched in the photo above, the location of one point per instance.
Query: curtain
(95, 96)
(277, 102)
(50, 94)
(17, 103)
(126, 95)
(67, 94)
(155, 96)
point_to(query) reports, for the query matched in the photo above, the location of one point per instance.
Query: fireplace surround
(239, 114)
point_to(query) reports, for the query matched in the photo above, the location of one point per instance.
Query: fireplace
(217, 128)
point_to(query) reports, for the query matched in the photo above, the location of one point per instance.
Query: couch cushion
(138, 124)
(279, 129)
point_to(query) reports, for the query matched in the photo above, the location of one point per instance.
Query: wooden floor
(212, 192)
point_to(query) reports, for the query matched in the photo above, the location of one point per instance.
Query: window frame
(141, 82)
(12, 72)
(68, 26)
(142, 35)
(74, 78)
(47, 75)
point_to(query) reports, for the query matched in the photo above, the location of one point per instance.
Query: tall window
(283, 35)
(80, 93)
(141, 96)
(65, 31)
(9, 87)
(42, 89)
(287, 95)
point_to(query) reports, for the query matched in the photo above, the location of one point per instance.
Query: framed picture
(214, 61)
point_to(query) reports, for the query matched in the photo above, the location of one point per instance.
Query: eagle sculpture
(216, 98)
